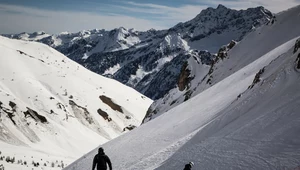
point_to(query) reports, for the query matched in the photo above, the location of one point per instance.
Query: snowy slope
(36, 36)
(52, 106)
(257, 131)
(238, 123)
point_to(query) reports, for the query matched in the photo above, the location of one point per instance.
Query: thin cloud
(15, 19)
(181, 13)
(141, 16)
(274, 6)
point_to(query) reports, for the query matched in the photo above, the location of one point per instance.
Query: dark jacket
(101, 160)
(187, 167)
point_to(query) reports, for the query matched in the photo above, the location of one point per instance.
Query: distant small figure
(189, 166)
(101, 160)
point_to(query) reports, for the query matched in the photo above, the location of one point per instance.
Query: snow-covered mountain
(53, 109)
(248, 118)
(151, 61)
(197, 77)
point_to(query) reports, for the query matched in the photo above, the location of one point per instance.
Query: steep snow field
(52, 107)
(244, 121)
(257, 131)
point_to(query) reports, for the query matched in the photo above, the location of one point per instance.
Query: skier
(101, 160)
(189, 166)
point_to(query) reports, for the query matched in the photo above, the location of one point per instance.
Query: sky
(55, 16)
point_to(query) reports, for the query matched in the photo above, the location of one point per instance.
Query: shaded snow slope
(257, 131)
(52, 105)
(247, 120)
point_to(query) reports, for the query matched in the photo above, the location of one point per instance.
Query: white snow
(253, 46)
(112, 70)
(174, 41)
(36, 76)
(218, 130)
(151, 141)
(85, 56)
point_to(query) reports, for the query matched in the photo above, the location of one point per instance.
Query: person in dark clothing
(101, 160)
(188, 166)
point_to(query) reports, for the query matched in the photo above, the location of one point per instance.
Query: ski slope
(229, 125)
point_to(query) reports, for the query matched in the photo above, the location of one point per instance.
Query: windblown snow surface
(248, 120)
(53, 110)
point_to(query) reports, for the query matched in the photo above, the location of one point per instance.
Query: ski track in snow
(155, 160)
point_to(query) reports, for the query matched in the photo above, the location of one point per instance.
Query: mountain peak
(220, 6)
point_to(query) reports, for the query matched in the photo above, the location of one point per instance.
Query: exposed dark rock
(206, 57)
(110, 103)
(61, 106)
(33, 114)
(104, 115)
(209, 80)
(173, 102)
(187, 95)
(81, 111)
(239, 96)
(222, 53)
(23, 53)
(12, 105)
(10, 113)
(231, 44)
(257, 78)
(149, 112)
(129, 127)
(184, 79)
(157, 84)
(297, 46)
(298, 61)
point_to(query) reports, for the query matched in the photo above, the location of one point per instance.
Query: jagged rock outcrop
(34, 115)
(297, 45)
(183, 80)
(110, 103)
(104, 115)
(257, 78)
(298, 61)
